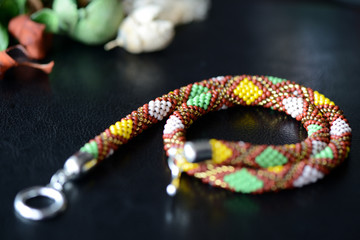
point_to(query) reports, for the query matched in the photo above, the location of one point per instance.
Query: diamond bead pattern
(197, 90)
(270, 157)
(313, 128)
(172, 124)
(248, 91)
(202, 100)
(293, 105)
(220, 152)
(122, 128)
(159, 109)
(326, 153)
(320, 99)
(317, 146)
(339, 127)
(243, 181)
(309, 175)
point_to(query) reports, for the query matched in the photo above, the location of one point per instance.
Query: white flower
(141, 31)
(150, 24)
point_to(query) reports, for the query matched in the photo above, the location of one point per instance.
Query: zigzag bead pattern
(238, 166)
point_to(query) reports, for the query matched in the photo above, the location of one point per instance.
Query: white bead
(317, 146)
(172, 124)
(309, 175)
(294, 106)
(218, 78)
(159, 109)
(339, 127)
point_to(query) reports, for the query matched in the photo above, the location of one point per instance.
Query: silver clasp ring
(57, 205)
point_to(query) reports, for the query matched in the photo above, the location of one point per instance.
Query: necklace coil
(235, 166)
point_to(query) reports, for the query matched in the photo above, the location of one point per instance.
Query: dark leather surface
(44, 119)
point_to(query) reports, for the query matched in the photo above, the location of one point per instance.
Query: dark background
(44, 119)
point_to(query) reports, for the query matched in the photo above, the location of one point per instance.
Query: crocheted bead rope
(239, 166)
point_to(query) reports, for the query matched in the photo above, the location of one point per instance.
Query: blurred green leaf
(4, 38)
(66, 10)
(8, 10)
(21, 4)
(98, 22)
(47, 17)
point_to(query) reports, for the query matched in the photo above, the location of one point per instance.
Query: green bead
(313, 128)
(202, 100)
(270, 158)
(199, 96)
(326, 153)
(91, 148)
(197, 90)
(276, 80)
(243, 181)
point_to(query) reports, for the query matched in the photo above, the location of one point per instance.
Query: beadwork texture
(239, 166)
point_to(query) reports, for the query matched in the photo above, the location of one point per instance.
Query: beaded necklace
(235, 166)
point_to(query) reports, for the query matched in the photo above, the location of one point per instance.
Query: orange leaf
(6, 62)
(31, 35)
(18, 56)
(45, 67)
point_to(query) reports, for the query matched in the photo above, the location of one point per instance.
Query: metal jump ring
(22, 208)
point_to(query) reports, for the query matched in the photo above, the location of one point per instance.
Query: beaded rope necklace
(235, 166)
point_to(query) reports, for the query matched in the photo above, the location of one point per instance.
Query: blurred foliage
(95, 23)
(9, 9)
(89, 22)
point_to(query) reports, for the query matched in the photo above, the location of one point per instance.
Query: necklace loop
(234, 166)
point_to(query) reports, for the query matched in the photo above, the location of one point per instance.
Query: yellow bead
(248, 91)
(275, 169)
(220, 151)
(113, 130)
